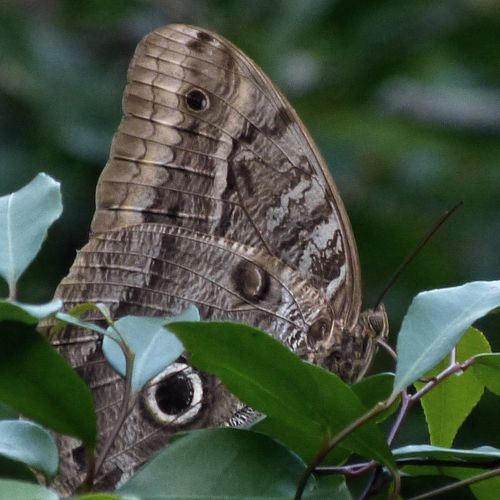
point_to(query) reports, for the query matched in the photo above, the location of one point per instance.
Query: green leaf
(29, 443)
(302, 440)
(21, 232)
(38, 383)
(30, 314)
(18, 490)
(12, 469)
(333, 487)
(485, 453)
(486, 489)
(263, 373)
(71, 320)
(102, 496)
(435, 322)
(486, 368)
(374, 389)
(449, 403)
(154, 346)
(219, 462)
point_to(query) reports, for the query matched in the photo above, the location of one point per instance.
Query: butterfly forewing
(243, 167)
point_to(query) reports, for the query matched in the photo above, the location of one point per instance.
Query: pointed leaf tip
(435, 322)
(22, 234)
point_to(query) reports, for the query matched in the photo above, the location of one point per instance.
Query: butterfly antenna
(416, 250)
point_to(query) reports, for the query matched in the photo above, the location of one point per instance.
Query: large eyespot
(197, 100)
(174, 396)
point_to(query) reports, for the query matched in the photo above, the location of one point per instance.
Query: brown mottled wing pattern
(155, 269)
(214, 195)
(244, 168)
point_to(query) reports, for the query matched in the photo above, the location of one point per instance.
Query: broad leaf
(435, 322)
(270, 378)
(212, 463)
(30, 314)
(302, 440)
(486, 489)
(29, 443)
(486, 368)
(332, 487)
(448, 404)
(38, 383)
(21, 232)
(18, 490)
(151, 342)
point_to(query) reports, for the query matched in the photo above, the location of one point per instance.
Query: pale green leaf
(435, 322)
(68, 318)
(27, 313)
(21, 232)
(486, 453)
(153, 345)
(29, 443)
(18, 490)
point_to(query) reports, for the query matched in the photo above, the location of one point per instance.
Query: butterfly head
(371, 330)
(347, 351)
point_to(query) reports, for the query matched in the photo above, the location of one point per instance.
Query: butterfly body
(214, 195)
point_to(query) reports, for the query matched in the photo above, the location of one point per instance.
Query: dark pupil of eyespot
(174, 394)
(196, 100)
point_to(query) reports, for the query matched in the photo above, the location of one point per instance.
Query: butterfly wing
(208, 142)
(156, 269)
(210, 170)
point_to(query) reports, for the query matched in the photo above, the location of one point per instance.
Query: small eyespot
(197, 100)
(174, 396)
(251, 281)
(319, 329)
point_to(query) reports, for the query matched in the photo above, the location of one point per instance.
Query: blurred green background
(403, 99)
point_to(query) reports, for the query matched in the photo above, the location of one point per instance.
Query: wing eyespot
(197, 100)
(251, 281)
(174, 396)
(319, 329)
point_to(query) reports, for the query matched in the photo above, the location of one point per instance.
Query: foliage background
(403, 99)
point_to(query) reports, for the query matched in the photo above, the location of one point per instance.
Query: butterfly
(214, 195)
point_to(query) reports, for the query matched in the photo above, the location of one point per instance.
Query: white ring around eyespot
(194, 408)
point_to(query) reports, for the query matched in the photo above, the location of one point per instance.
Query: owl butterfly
(214, 195)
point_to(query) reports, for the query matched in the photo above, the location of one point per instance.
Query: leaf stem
(451, 370)
(127, 403)
(330, 445)
(88, 482)
(405, 405)
(13, 290)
